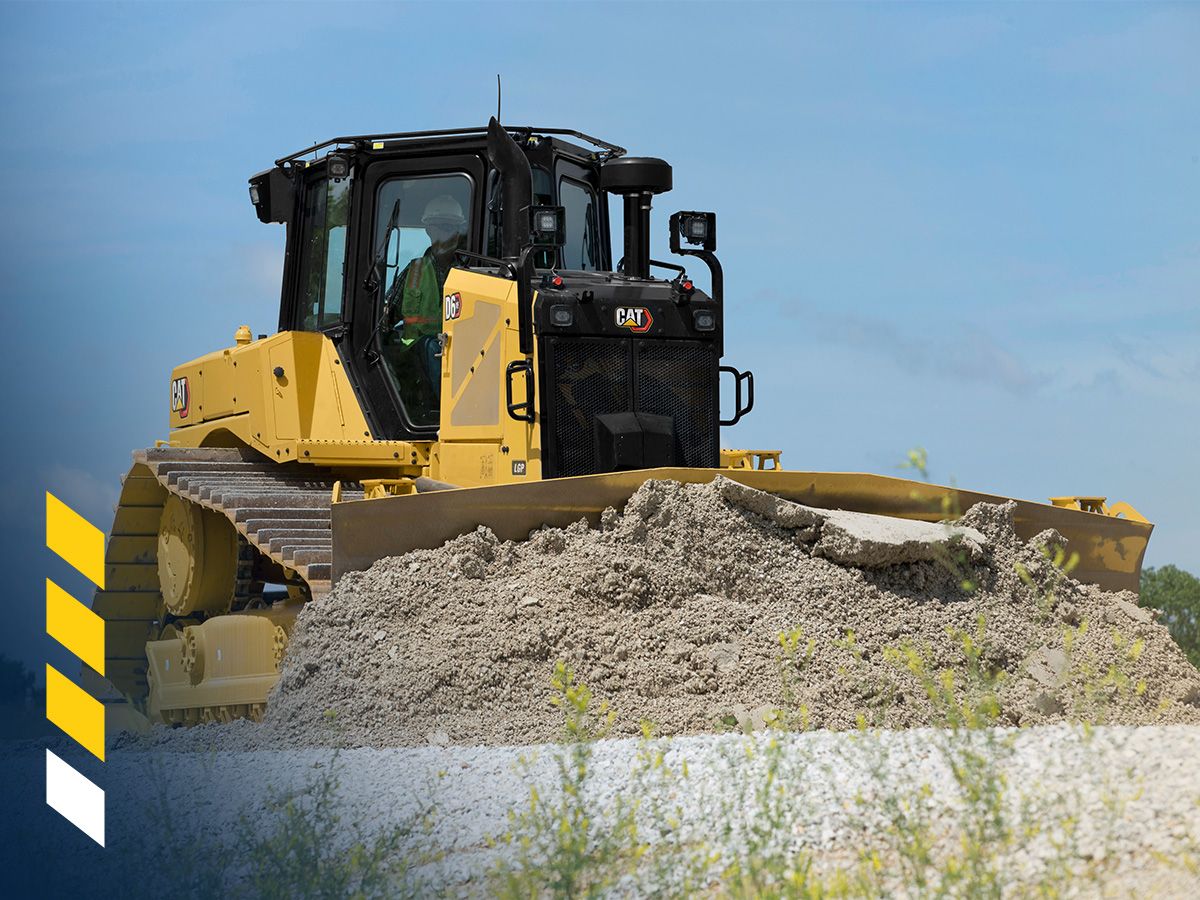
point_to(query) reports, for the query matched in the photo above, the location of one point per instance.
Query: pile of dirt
(672, 610)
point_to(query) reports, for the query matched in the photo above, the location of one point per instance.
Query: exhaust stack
(516, 189)
(637, 179)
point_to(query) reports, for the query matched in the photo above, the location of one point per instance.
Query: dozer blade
(1110, 548)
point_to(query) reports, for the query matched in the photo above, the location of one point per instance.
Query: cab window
(420, 222)
(582, 249)
(323, 255)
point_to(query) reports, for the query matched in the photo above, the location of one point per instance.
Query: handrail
(359, 139)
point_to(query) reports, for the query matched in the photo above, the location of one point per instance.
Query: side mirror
(273, 196)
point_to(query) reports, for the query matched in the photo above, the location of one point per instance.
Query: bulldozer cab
(375, 225)
(357, 222)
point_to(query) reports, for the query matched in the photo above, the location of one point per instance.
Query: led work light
(548, 226)
(696, 228)
(339, 166)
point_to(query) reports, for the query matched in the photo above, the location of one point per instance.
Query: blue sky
(974, 228)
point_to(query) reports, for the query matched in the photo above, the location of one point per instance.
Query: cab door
(395, 376)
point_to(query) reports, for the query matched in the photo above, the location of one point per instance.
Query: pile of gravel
(672, 611)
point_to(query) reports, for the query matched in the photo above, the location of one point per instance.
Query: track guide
(282, 510)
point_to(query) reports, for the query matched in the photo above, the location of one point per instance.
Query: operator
(415, 299)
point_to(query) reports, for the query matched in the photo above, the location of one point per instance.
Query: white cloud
(1159, 48)
(965, 353)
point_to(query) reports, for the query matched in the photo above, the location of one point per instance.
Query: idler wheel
(197, 559)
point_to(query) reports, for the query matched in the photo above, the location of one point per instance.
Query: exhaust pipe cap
(636, 175)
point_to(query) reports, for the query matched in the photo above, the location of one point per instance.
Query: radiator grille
(587, 377)
(590, 378)
(676, 379)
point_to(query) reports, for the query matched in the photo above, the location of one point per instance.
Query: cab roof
(451, 136)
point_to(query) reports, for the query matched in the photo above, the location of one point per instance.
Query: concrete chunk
(857, 539)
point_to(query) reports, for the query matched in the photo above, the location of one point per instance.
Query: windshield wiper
(374, 281)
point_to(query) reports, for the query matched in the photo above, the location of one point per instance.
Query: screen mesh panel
(587, 377)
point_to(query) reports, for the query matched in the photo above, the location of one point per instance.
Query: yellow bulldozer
(455, 349)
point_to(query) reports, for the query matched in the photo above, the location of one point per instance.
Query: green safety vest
(420, 299)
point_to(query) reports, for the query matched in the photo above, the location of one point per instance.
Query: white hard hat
(443, 210)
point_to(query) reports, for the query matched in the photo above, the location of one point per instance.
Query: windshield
(431, 224)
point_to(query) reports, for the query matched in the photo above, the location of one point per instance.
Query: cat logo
(636, 318)
(453, 306)
(179, 397)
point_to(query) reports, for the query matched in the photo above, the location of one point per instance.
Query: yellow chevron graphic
(69, 706)
(75, 539)
(75, 626)
(75, 711)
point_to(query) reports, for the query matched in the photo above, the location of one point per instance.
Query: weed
(952, 556)
(1096, 690)
(560, 848)
(308, 851)
(198, 873)
(671, 863)
(875, 694)
(298, 848)
(582, 721)
(796, 654)
(972, 702)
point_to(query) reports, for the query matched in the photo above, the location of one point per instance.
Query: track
(281, 510)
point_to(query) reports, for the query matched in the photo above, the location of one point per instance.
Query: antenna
(497, 96)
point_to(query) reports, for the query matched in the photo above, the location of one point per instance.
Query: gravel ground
(1134, 792)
